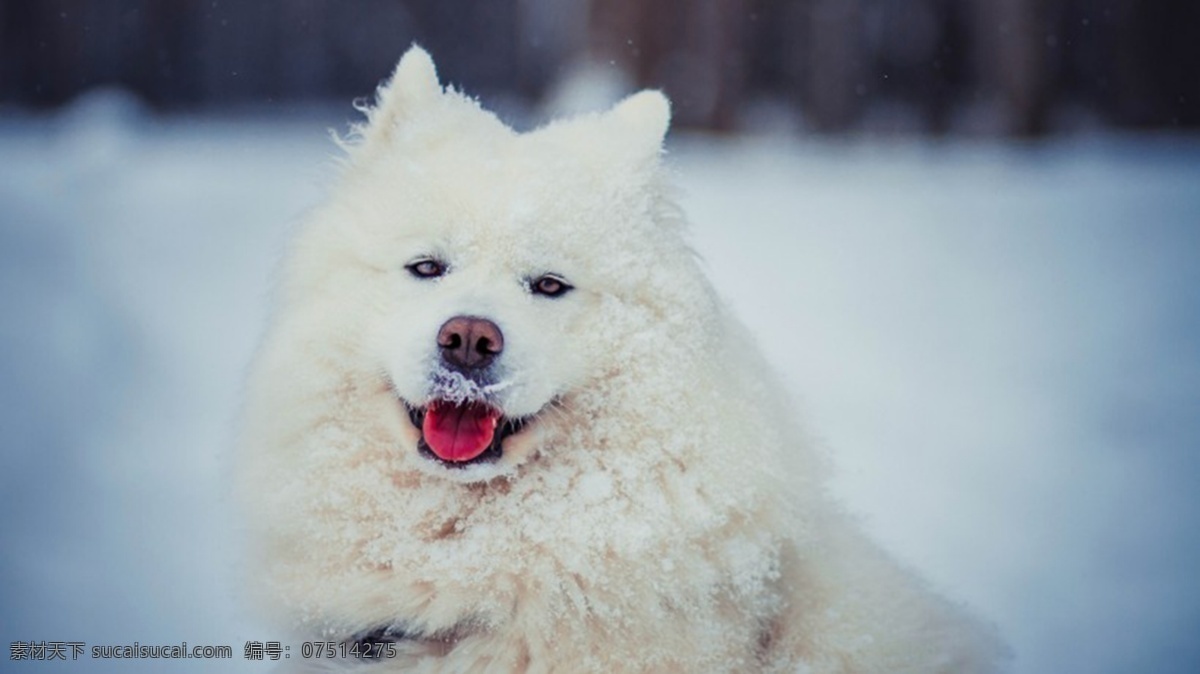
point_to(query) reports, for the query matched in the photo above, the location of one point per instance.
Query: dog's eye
(426, 268)
(550, 286)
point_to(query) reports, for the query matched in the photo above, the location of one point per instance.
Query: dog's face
(474, 264)
(479, 331)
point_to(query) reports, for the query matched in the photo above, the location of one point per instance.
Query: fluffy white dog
(501, 423)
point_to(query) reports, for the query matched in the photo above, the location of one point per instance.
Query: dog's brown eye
(427, 268)
(550, 286)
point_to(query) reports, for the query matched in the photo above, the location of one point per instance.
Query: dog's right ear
(647, 114)
(413, 84)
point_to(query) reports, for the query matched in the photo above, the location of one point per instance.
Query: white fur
(663, 513)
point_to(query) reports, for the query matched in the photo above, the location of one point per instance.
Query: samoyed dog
(500, 422)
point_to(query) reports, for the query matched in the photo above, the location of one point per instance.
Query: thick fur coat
(652, 508)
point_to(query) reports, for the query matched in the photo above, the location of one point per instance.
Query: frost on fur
(446, 384)
(638, 498)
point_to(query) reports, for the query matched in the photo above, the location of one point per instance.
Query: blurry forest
(1011, 67)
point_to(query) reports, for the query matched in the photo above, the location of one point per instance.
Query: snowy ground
(1000, 344)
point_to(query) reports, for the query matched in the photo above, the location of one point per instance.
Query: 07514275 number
(343, 649)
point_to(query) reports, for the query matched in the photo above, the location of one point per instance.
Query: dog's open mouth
(460, 434)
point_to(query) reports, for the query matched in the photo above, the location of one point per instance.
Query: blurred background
(967, 233)
(1006, 67)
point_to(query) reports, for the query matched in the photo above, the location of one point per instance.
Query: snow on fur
(662, 512)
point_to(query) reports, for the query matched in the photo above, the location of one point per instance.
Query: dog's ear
(413, 84)
(645, 116)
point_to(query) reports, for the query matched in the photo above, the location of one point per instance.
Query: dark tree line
(183, 53)
(1129, 62)
(1132, 62)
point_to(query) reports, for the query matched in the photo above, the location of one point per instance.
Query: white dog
(501, 423)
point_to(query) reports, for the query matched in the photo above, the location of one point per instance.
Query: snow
(1000, 347)
(997, 343)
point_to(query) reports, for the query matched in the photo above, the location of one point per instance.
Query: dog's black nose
(469, 342)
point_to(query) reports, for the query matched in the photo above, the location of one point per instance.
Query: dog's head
(475, 269)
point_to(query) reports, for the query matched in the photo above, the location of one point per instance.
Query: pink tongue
(459, 432)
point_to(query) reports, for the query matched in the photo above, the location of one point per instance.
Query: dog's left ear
(645, 117)
(413, 85)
